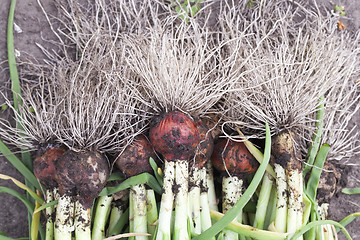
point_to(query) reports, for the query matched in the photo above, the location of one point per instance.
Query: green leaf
(14, 75)
(348, 219)
(23, 186)
(35, 223)
(314, 178)
(351, 191)
(128, 183)
(50, 204)
(155, 168)
(246, 230)
(19, 196)
(233, 212)
(4, 107)
(314, 147)
(319, 223)
(116, 177)
(19, 165)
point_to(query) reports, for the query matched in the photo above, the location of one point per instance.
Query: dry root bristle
(177, 68)
(84, 100)
(342, 106)
(291, 56)
(39, 113)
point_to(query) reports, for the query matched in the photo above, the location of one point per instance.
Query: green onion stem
(119, 217)
(281, 196)
(213, 203)
(131, 213)
(194, 212)
(139, 210)
(152, 213)
(167, 199)
(271, 209)
(231, 187)
(204, 201)
(295, 200)
(263, 201)
(49, 216)
(102, 212)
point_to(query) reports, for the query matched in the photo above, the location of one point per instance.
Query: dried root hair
(39, 113)
(177, 68)
(287, 70)
(99, 110)
(340, 129)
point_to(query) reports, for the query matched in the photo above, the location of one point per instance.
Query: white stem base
(194, 211)
(82, 222)
(64, 222)
(140, 219)
(213, 203)
(181, 199)
(167, 199)
(281, 195)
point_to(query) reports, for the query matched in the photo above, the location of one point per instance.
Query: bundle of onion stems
(179, 82)
(292, 66)
(127, 68)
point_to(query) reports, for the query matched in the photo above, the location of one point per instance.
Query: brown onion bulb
(235, 156)
(82, 174)
(174, 135)
(135, 158)
(206, 145)
(44, 164)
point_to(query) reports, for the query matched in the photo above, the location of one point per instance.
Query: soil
(36, 30)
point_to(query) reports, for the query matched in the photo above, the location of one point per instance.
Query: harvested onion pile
(162, 93)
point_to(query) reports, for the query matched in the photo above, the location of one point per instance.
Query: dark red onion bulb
(44, 164)
(135, 158)
(174, 135)
(206, 145)
(82, 174)
(235, 156)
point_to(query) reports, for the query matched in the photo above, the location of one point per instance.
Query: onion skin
(328, 183)
(44, 164)
(82, 174)
(206, 145)
(135, 159)
(235, 156)
(285, 153)
(174, 135)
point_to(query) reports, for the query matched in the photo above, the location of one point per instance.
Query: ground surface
(29, 17)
